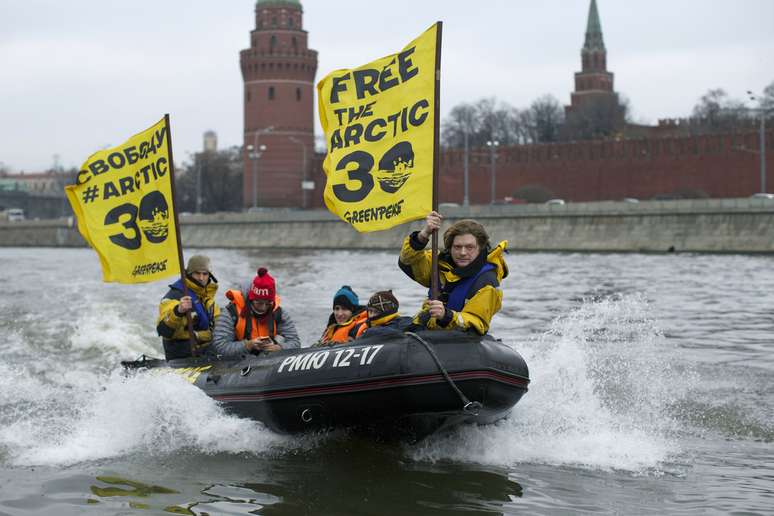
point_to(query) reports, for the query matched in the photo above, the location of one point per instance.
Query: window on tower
(272, 44)
(298, 94)
(295, 44)
(271, 92)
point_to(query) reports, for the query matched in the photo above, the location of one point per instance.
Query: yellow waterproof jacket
(171, 326)
(481, 302)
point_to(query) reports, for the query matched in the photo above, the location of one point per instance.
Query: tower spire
(594, 109)
(594, 41)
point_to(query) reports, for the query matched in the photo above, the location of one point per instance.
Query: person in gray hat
(172, 324)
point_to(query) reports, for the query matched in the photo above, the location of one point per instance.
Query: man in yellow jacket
(172, 324)
(470, 273)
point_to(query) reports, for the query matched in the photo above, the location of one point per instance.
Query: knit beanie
(263, 286)
(384, 303)
(347, 298)
(197, 262)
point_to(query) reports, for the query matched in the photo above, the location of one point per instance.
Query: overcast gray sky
(78, 75)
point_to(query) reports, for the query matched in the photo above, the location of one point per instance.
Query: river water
(652, 392)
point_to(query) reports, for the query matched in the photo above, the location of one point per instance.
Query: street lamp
(761, 137)
(254, 153)
(198, 188)
(303, 170)
(465, 198)
(492, 144)
(198, 169)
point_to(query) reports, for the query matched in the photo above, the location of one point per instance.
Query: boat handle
(306, 415)
(472, 407)
(245, 370)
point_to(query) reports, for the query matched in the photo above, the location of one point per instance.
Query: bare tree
(487, 119)
(625, 106)
(544, 119)
(462, 119)
(220, 178)
(767, 101)
(716, 111)
(490, 124)
(508, 124)
(710, 106)
(543, 122)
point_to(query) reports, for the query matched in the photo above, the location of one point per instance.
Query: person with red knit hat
(254, 321)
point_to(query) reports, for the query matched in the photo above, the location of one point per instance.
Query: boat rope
(471, 407)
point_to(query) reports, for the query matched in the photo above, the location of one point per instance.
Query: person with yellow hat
(172, 323)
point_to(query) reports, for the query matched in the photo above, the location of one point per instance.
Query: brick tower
(278, 71)
(594, 109)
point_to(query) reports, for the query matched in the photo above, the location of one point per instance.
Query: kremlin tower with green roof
(594, 104)
(278, 72)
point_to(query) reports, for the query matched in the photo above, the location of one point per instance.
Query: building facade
(669, 160)
(278, 71)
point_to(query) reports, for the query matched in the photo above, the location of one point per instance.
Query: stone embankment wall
(707, 225)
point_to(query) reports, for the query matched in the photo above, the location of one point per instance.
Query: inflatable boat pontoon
(405, 384)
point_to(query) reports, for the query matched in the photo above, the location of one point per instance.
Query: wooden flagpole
(434, 277)
(189, 321)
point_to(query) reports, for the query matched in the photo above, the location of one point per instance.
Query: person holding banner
(347, 317)
(198, 301)
(470, 275)
(254, 321)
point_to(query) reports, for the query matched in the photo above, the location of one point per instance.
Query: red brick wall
(719, 165)
(612, 170)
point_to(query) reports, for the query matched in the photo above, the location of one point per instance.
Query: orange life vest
(376, 322)
(341, 332)
(265, 326)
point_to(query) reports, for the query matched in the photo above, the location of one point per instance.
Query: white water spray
(601, 386)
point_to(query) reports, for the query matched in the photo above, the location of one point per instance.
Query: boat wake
(600, 397)
(152, 414)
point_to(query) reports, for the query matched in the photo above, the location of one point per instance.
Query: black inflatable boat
(409, 385)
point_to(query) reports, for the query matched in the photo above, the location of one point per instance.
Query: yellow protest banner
(380, 126)
(123, 198)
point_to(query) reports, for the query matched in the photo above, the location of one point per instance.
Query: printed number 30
(362, 173)
(114, 216)
(154, 210)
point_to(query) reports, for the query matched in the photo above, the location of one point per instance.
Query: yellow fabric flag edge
(419, 198)
(146, 157)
